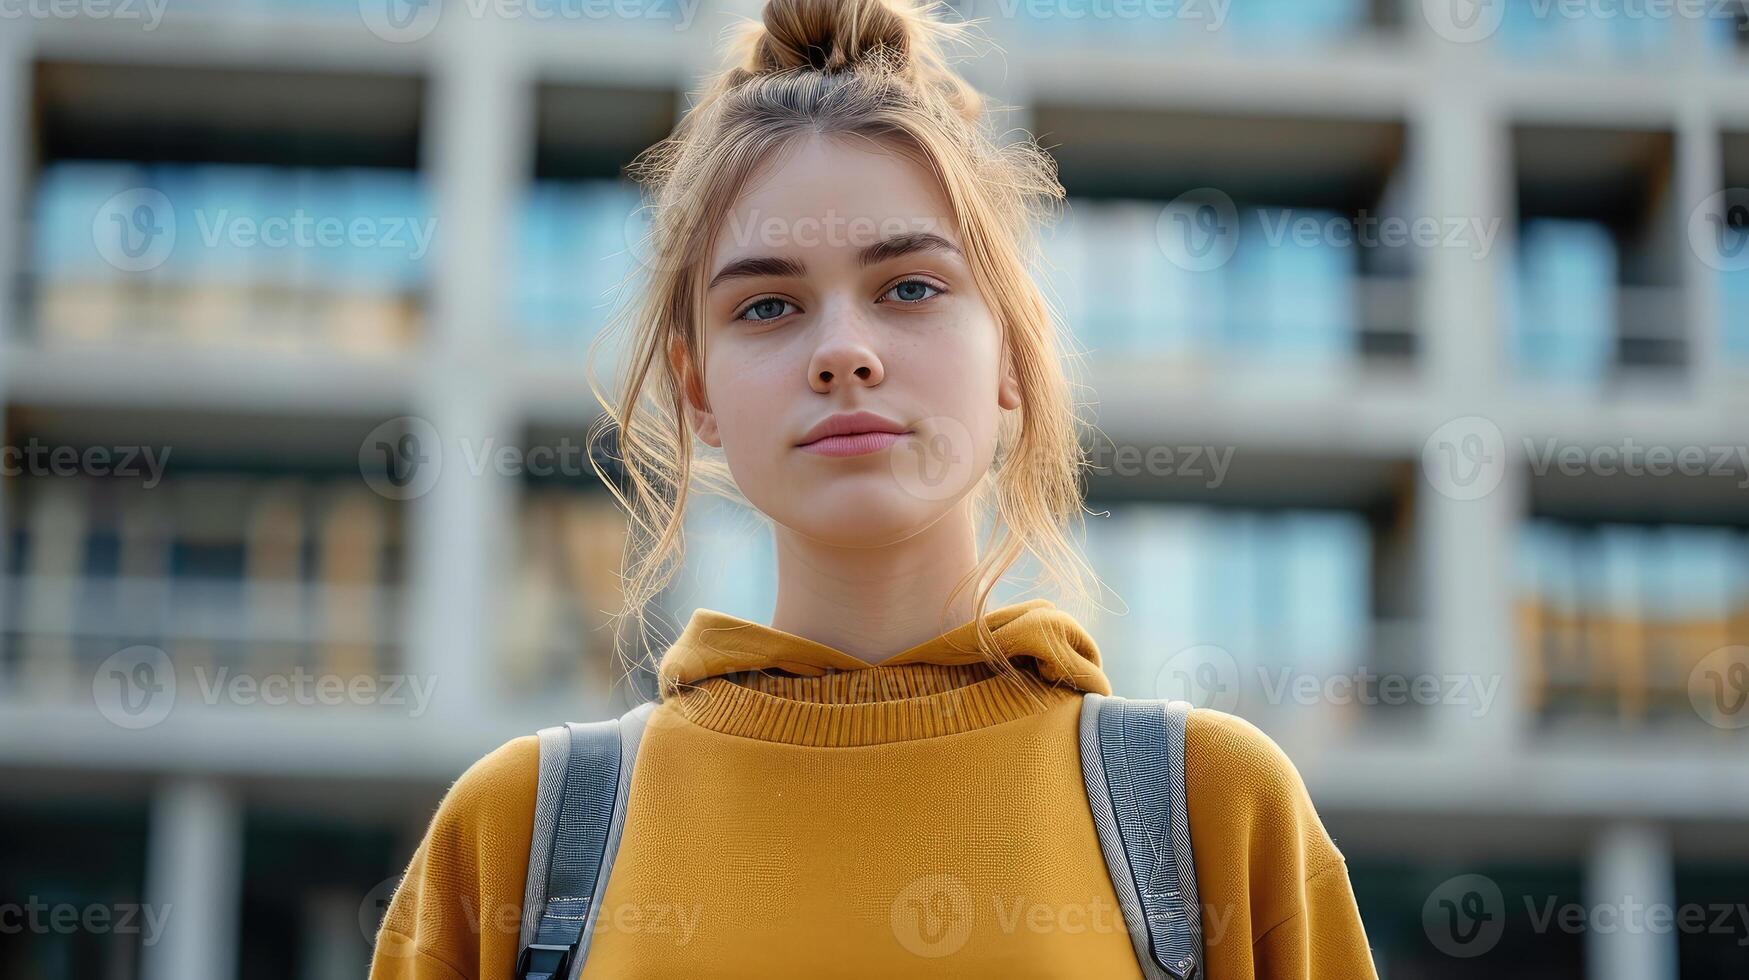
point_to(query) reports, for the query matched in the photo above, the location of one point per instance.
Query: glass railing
(576, 244)
(1222, 603)
(1635, 622)
(269, 258)
(1241, 25)
(1257, 286)
(1535, 30)
(197, 580)
(1570, 319)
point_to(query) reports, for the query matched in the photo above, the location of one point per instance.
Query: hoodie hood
(1034, 634)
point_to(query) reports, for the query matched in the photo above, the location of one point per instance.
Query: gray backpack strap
(1132, 760)
(580, 803)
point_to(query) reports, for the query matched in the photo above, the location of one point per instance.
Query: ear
(701, 419)
(1008, 387)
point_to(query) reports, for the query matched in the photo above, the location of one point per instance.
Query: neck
(875, 603)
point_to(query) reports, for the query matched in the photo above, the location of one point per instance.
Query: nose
(844, 356)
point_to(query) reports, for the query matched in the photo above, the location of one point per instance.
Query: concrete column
(1630, 894)
(1699, 175)
(1472, 492)
(194, 871)
(479, 145)
(14, 117)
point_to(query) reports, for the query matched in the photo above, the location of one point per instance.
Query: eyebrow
(881, 251)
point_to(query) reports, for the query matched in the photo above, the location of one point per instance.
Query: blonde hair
(857, 68)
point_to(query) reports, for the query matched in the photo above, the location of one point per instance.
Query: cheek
(961, 359)
(745, 394)
(965, 368)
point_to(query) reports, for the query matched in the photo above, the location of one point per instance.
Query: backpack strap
(580, 804)
(1132, 760)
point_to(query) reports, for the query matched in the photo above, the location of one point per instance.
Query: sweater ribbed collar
(745, 678)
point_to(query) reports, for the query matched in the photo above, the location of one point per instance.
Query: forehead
(822, 192)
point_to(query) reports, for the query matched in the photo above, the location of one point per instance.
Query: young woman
(838, 327)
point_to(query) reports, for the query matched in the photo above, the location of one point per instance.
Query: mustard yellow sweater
(797, 812)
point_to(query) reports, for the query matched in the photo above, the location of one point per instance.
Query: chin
(870, 517)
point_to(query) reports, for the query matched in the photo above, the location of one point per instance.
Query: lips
(852, 434)
(854, 445)
(850, 424)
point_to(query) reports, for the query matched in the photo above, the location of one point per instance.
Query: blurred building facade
(1418, 335)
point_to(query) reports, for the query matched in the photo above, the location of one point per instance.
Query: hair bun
(830, 35)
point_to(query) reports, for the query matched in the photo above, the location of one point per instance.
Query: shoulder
(503, 777)
(1238, 777)
(1246, 759)
(1274, 888)
(487, 816)
(460, 899)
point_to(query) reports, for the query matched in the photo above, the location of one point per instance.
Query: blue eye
(912, 291)
(769, 308)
